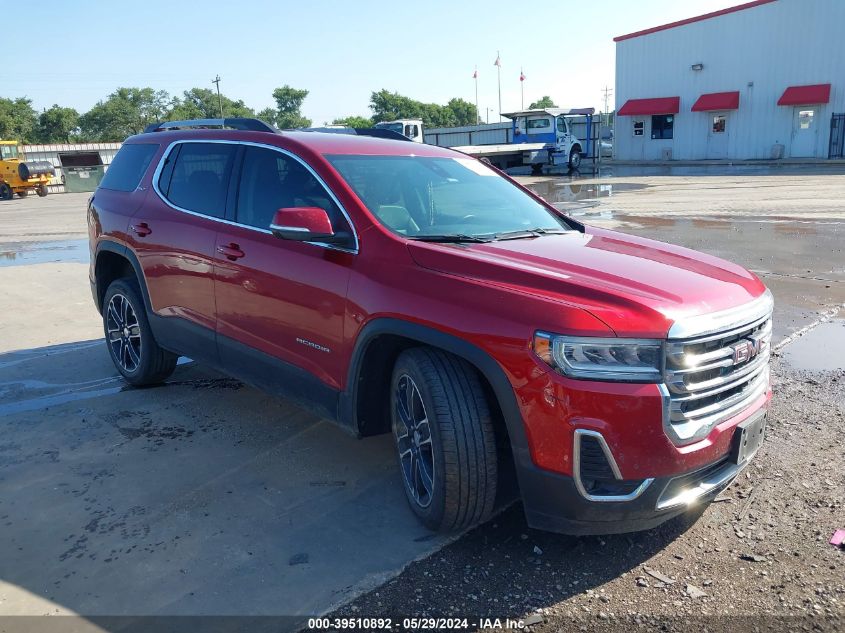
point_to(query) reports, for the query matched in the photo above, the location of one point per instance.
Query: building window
(639, 126)
(805, 119)
(719, 123)
(662, 126)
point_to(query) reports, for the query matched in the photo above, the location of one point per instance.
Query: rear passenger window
(198, 178)
(271, 181)
(129, 166)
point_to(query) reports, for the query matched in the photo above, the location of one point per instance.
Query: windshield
(393, 127)
(8, 152)
(418, 196)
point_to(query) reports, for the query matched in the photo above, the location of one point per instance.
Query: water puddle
(559, 190)
(21, 253)
(821, 349)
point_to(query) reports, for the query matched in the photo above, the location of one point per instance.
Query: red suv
(397, 287)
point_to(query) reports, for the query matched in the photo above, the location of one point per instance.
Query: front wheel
(444, 437)
(132, 346)
(574, 159)
(5, 192)
(41, 190)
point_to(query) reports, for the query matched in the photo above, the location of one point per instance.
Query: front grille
(713, 377)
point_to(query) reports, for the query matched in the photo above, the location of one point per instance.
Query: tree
(545, 102)
(18, 121)
(202, 103)
(354, 121)
(288, 108)
(268, 115)
(387, 106)
(58, 125)
(125, 112)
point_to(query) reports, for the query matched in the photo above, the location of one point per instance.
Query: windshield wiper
(521, 234)
(455, 238)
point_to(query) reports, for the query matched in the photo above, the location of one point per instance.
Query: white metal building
(759, 80)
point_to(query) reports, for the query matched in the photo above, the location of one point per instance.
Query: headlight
(612, 359)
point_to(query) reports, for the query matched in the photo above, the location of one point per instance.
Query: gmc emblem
(745, 350)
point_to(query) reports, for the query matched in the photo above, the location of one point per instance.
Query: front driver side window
(271, 181)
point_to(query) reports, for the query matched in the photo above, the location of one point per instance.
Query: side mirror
(305, 224)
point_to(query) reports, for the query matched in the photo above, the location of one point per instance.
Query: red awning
(717, 101)
(660, 105)
(805, 95)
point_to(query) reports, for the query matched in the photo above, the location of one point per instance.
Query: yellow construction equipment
(17, 176)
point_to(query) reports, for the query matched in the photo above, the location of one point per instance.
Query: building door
(804, 132)
(717, 136)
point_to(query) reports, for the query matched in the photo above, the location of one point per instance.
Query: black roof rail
(252, 125)
(359, 131)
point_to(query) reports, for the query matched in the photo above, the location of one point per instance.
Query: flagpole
(521, 89)
(477, 114)
(499, 73)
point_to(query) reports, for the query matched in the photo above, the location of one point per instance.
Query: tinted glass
(662, 126)
(425, 196)
(537, 124)
(271, 181)
(200, 177)
(128, 166)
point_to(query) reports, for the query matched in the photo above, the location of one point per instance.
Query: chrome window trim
(716, 322)
(576, 469)
(163, 198)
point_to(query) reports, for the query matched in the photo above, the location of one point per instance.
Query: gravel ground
(758, 559)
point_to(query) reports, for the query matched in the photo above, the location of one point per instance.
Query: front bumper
(664, 480)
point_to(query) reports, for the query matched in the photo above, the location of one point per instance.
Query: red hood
(637, 286)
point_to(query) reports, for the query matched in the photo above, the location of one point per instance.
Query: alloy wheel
(412, 431)
(123, 333)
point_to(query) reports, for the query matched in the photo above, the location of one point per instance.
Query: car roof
(320, 142)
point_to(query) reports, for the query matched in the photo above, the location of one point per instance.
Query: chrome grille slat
(707, 379)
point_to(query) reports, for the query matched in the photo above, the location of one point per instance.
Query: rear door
(281, 304)
(174, 237)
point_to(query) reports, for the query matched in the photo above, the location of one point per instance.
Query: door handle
(141, 229)
(231, 251)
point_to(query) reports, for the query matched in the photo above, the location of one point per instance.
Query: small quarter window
(662, 126)
(200, 177)
(129, 166)
(639, 126)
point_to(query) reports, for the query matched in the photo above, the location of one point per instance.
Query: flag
(498, 61)
(521, 76)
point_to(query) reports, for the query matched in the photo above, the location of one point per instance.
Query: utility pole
(477, 113)
(608, 92)
(216, 80)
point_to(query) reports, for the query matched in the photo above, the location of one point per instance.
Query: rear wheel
(41, 190)
(23, 193)
(5, 192)
(132, 347)
(444, 438)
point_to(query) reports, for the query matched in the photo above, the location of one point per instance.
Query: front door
(804, 131)
(280, 303)
(717, 136)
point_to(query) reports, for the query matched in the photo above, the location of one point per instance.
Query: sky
(339, 51)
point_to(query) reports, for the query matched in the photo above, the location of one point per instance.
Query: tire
(130, 341)
(536, 169)
(6, 192)
(41, 190)
(23, 193)
(574, 159)
(454, 440)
